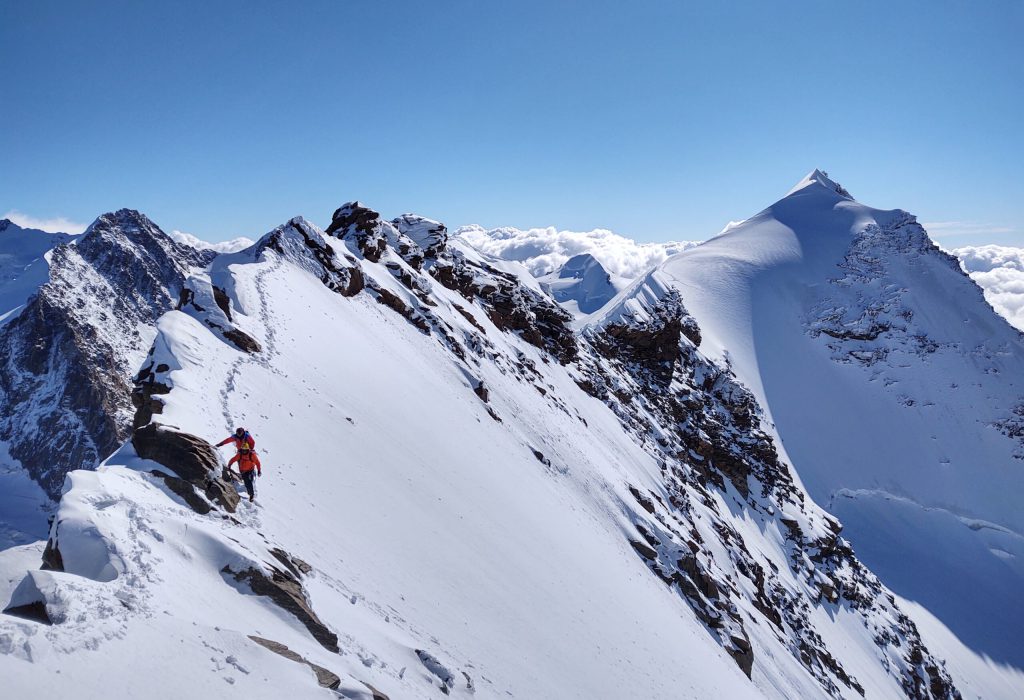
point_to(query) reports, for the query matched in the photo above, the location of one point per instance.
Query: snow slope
(23, 264)
(461, 496)
(893, 386)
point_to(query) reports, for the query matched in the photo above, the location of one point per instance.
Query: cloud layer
(999, 270)
(543, 250)
(56, 224)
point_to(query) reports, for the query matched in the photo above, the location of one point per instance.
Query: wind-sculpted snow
(463, 495)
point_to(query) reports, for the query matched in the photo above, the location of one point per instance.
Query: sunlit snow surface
(897, 435)
(433, 527)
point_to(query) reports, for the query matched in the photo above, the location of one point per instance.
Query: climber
(241, 436)
(247, 463)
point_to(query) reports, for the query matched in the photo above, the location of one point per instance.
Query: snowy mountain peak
(819, 178)
(579, 266)
(352, 215)
(77, 340)
(582, 285)
(367, 234)
(129, 220)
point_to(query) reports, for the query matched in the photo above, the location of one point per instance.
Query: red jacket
(238, 441)
(247, 461)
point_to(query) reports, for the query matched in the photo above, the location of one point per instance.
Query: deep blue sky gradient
(659, 120)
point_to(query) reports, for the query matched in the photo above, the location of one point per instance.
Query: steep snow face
(582, 285)
(70, 352)
(894, 387)
(23, 266)
(460, 495)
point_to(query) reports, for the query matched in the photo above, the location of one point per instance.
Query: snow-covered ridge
(452, 471)
(886, 374)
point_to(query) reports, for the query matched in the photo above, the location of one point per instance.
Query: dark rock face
(66, 361)
(326, 679)
(52, 559)
(242, 341)
(145, 395)
(366, 232)
(363, 226)
(296, 566)
(709, 440)
(284, 588)
(510, 305)
(390, 300)
(186, 490)
(430, 236)
(299, 242)
(238, 338)
(193, 459)
(221, 297)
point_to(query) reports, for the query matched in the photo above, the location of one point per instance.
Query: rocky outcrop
(326, 679)
(510, 305)
(302, 243)
(369, 235)
(215, 317)
(52, 559)
(284, 588)
(67, 360)
(362, 226)
(193, 459)
(431, 236)
(149, 386)
(706, 430)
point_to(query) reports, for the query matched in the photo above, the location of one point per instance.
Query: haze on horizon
(659, 123)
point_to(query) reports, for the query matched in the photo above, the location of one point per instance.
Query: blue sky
(658, 120)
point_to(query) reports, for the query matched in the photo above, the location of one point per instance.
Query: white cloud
(232, 246)
(57, 224)
(543, 250)
(999, 271)
(946, 229)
